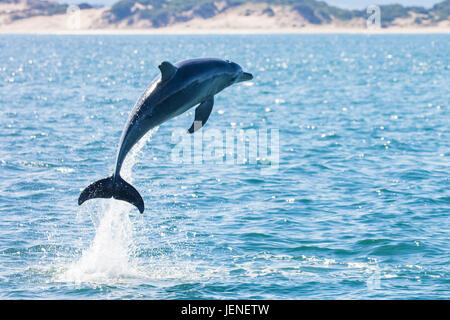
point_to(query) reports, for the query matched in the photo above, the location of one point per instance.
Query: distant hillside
(441, 10)
(225, 14)
(164, 12)
(160, 13)
(22, 9)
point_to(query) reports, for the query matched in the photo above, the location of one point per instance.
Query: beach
(92, 21)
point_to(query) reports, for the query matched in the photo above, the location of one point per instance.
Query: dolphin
(179, 87)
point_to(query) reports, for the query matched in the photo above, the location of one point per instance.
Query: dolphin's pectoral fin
(167, 70)
(202, 114)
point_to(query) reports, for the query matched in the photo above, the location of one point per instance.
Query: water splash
(110, 258)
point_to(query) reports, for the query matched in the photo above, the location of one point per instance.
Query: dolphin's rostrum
(179, 88)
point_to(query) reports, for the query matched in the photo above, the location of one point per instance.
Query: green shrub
(122, 9)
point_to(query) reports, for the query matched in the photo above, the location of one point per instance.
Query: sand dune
(247, 18)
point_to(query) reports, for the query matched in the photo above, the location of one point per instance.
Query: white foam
(111, 256)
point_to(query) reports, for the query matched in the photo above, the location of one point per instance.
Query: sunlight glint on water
(357, 210)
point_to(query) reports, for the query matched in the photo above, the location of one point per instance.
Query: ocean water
(356, 208)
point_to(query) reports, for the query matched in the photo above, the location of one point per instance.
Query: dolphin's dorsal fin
(167, 70)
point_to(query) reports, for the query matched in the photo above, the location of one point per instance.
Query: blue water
(357, 208)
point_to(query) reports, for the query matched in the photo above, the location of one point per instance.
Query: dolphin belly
(179, 88)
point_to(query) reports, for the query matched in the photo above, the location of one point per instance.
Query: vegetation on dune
(391, 12)
(122, 9)
(41, 8)
(308, 13)
(442, 10)
(163, 12)
(38, 8)
(84, 6)
(438, 12)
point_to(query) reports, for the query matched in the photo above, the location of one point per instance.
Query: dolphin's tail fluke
(113, 187)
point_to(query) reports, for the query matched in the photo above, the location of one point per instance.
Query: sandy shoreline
(233, 21)
(188, 31)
